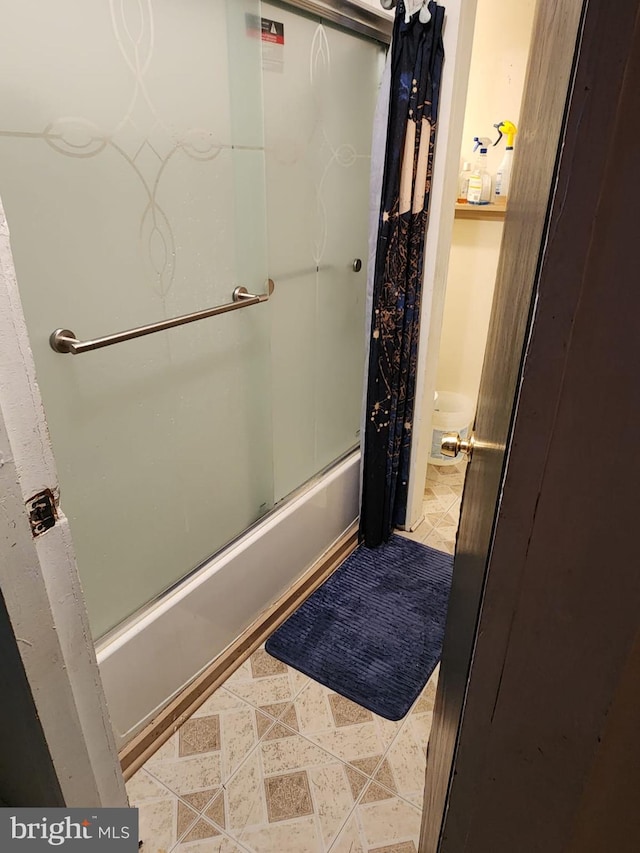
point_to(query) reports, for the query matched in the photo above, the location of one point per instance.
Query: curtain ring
(425, 14)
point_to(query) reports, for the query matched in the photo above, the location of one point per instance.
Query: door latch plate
(42, 512)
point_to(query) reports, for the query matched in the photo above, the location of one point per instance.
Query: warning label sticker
(266, 29)
(271, 34)
(272, 31)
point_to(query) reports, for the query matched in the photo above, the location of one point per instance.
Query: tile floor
(442, 496)
(274, 762)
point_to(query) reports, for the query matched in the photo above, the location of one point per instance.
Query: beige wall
(498, 65)
(472, 271)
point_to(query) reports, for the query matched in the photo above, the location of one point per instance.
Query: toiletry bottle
(480, 183)
(463, 182)
(503, 175)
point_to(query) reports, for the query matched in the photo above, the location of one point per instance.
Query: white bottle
(463, 182)
(503, 175)
(479, 191)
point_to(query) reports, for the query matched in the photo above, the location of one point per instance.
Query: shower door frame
(348, 15)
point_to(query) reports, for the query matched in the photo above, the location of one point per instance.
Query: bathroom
(235, 437)
(458, 333)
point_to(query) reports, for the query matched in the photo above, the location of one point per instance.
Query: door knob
(451, 445)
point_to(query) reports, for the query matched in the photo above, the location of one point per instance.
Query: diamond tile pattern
(310, 772)
(274, 762)
(441, 507)
(199, 735)
(288, 796)
(347, 713)
(262, 664)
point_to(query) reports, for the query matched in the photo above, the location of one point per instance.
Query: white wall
(498, 65)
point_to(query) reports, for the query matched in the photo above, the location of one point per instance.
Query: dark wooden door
(542, 622)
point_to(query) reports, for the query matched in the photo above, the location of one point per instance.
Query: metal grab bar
(64, 341)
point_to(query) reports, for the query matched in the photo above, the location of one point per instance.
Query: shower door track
(349, 15)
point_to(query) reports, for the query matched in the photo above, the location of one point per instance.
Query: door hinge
(42, 512)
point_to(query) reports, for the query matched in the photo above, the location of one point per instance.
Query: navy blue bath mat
(373, 631)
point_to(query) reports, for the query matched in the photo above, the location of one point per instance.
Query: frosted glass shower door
(325, 81)
(132, 174)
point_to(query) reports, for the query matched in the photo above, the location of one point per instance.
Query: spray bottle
(463, 182)
(503, 175)
(479, 191)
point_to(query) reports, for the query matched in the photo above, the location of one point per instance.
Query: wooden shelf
(493, 212)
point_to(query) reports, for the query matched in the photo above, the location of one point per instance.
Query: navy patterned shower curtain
(416, 67)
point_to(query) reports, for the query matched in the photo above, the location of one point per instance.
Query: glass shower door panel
(348, 72)
(325, 81)
(132, 174)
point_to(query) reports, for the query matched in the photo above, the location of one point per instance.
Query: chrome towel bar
(64, 341)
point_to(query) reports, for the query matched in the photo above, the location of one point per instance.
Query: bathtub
(147, 662)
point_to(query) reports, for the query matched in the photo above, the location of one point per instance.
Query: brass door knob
(451, 445)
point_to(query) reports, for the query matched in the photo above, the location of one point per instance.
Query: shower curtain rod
(350, 15)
